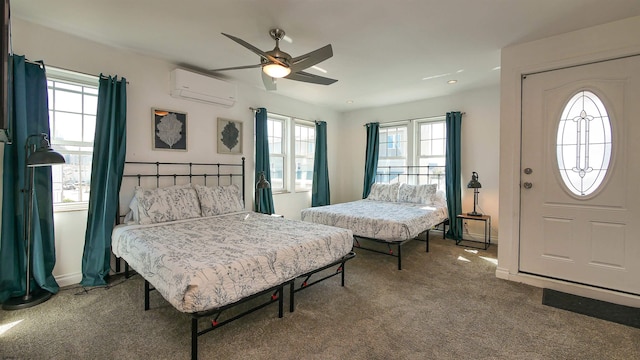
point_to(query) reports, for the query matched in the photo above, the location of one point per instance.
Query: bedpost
(244, 199)
(146, 295)
(194, 338)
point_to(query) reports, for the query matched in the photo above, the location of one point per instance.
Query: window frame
(406, 159)
(413, 142)
(419, 139)
(61, 76)
(280, 155)
(288, 152)
(310, 155)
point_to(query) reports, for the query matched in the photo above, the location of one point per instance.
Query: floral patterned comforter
(205, 263)
(383, 220)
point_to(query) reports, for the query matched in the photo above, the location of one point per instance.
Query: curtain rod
(32, 62)
(409, 120)
(75, 71)
(289, 116)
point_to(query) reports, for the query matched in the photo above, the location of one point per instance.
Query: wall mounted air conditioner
(192, 86)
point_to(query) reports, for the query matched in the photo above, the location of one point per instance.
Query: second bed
(392, 214)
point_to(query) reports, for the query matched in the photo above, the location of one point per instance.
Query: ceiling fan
(277, 64)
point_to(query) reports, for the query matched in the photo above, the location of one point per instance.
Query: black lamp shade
(262, 182)
(44, 155)
(474, 183)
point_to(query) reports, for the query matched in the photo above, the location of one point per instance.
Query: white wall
(602, 42)
(149, 87)
(480, 146)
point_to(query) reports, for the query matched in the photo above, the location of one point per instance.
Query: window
(73, 102)
(584, 143)
(422, 144)
(392, 153)
(305, 149)
(276, 135)
(432, 139)
(291, 153)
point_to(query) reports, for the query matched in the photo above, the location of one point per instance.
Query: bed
(392, 214)
(197, 246)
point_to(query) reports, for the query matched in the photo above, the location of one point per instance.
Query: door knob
(527, 185)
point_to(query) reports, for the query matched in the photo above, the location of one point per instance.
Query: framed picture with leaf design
(169, 130)
(229, 136)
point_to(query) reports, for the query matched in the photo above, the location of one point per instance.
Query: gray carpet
(445, 304)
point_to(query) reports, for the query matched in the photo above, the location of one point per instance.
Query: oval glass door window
(584, 143)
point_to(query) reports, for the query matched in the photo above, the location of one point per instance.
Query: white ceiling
(383, 50)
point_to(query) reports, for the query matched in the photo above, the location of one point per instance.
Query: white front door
(580, 174)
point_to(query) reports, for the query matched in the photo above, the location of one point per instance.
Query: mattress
(205, 263)
(382, 220)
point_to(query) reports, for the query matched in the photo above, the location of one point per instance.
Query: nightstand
(487, 230)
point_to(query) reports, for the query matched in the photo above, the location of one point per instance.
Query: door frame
(596, 44)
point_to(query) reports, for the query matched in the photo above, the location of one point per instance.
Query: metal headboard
(412, 174)
(158, 174)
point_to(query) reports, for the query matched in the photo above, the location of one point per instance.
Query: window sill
(80, 206)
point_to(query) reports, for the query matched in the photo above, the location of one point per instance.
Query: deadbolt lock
(528, 171)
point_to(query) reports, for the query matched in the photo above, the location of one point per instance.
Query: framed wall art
(229, 136)
(169, 130)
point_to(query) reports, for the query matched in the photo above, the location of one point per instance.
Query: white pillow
(167, 204)
(132, 216)
(418, 194)
(440, 199)
(384, 192)
(218, 200)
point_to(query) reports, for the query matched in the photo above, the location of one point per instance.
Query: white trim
(571, 288)
(596, 43)
(76, 77)
(69, 279)
(72, 206)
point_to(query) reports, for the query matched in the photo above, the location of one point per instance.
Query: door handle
(527, 185)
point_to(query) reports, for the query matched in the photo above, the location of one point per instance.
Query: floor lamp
(37, 154)
(475, 185)
(260, 185)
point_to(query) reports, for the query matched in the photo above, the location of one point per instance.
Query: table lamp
(261, 184)
(475, 185)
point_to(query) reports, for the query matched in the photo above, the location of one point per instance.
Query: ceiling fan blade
(238, 67)
(308, 60)
(310, 78)
(261, 53)
(269, 82)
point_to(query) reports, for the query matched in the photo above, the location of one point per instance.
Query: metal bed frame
(221, 172)
(415, 174)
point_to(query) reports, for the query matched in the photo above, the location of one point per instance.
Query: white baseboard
(475, 237)
(68, 279)
(571, 288)
(479, 237)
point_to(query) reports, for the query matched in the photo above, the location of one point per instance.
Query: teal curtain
(29, 114)
(320, 194)
(264, 196)
(371, 158)
(452, 173)
(107, 166)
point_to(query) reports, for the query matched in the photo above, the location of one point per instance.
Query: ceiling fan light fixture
(276, 70)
